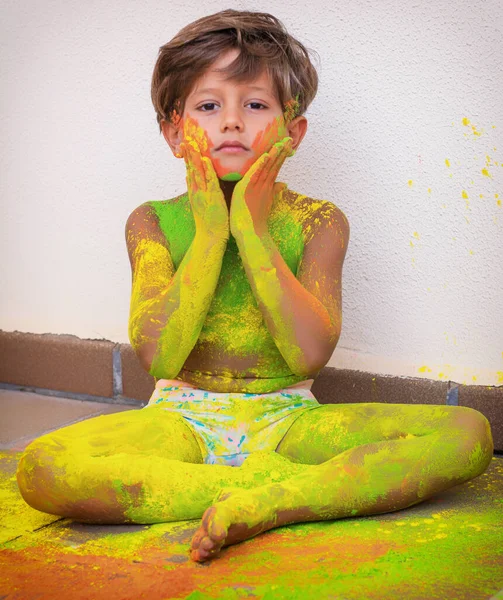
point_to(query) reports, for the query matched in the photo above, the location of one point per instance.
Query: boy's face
(218, 113)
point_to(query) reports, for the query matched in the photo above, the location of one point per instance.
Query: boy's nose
(231, 121)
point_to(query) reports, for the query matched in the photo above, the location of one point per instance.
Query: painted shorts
(229, 426)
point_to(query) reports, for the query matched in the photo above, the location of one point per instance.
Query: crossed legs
(368, 459)
(138, 466)
(335, 461)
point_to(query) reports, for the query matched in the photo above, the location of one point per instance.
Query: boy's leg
(385, 457)
(139, 466)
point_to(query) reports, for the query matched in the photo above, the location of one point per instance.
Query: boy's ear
(297, 129)
(173, 135)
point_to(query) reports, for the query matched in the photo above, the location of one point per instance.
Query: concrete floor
(450, 546)
(26, 416)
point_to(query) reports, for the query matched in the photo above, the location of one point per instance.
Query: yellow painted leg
(138, 467)
(373, 478)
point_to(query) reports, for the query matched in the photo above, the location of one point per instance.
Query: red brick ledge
(105, 371)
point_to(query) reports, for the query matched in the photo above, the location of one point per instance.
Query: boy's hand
(254, 194)
(205, 195)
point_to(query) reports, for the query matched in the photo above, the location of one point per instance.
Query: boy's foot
(236, 515)
(239, 514)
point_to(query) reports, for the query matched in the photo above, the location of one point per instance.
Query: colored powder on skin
(154, 271)
(195, 135)
(234, 324)
(175, 116)
(292, 108)
(232, 177)
(395, 551)
(234, 321)
(16, 517)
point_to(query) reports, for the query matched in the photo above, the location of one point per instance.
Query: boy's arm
(168, 308)
(303, 314)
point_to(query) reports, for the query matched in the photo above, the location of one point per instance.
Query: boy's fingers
(198, 168)
(183, 151)
(282, 150)
(260, 167)
(210, 174)
(190, 179)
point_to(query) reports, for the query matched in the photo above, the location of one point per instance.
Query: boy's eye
(204, 107)
(208, 106)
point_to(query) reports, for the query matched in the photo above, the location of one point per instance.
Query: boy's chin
(233, 176)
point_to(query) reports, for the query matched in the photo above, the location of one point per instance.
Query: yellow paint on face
(195, 135)
(447, 162)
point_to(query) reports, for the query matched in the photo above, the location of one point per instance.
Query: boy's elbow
(308, 366)
(317, 360)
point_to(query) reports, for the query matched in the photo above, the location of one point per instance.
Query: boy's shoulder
(149, 220)
(151, 212)
(158, 206)
(314, 214)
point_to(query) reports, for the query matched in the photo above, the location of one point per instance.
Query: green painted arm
(164, 325)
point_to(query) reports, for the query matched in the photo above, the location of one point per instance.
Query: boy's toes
(197, 538)
(210, 537)
(206, 548)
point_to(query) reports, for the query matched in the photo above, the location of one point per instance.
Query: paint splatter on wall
(471, 200)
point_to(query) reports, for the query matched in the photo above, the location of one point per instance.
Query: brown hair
(263, 42)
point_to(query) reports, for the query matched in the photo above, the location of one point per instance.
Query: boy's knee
(35, 474)
(474, 423)
(475, 431)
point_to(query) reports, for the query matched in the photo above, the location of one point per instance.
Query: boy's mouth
(231, 147)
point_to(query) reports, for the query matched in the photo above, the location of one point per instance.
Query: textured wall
(405, 136)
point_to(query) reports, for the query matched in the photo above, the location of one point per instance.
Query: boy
(235, 308)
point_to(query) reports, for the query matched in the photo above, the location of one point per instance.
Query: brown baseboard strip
(104, 371)
(72, 395)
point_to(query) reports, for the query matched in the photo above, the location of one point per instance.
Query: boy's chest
(177, 223)
(234, 337)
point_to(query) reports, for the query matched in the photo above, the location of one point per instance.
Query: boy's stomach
(253, 385)
(211, 369)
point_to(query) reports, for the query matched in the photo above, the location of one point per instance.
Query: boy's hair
(263, 43)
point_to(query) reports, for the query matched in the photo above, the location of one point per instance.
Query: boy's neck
(227, 188)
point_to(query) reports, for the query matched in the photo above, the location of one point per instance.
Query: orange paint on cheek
(195, 135)
(263, 142)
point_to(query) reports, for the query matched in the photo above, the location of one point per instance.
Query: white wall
(423, 278)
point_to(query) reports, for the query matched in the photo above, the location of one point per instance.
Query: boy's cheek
(194, 134)
(273, 133)
(263, 142)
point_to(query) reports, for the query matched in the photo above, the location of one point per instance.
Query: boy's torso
(235, 351)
